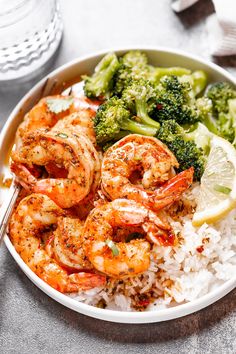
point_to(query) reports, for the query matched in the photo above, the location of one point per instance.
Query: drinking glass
(30, 33)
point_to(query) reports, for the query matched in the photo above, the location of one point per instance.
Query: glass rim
(15, 14)
(13, 8)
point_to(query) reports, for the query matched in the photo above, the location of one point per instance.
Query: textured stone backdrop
(31, 322)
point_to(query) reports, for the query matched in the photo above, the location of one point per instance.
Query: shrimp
(34, 215)
(73, 157)
(40, 116)
(123, 259)
(141, 168)
(67, 244)
(79, 122)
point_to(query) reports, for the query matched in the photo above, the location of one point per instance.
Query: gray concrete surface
(31, 322)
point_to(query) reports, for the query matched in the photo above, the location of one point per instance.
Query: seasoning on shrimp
(34, 215)
(41, 116)
(123, 259)
(141, 168)
(67, 244)
(71, 158)
(78, 122)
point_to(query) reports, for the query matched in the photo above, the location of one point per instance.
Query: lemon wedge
(218, 183)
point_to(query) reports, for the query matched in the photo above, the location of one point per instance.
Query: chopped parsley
(62, 135)
(222, 189)
(113, 247)
(58, 105)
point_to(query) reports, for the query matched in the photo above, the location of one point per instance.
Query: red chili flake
(171, 238)
(144, 303)
(159, 106)
(200, 249)
(167, 238)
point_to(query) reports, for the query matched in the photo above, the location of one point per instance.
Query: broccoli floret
(197, 81)
(175, 100)
(133, 66)
(190, 149)
(227, 122)
(223, 98)
(140, 98)
(232, 114)
(113, 117)
(135, 59)
(218, 110)
(205, 112)
(219, 93)
(156, 73)
(100, 83)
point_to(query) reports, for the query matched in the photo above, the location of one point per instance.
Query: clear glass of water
(30, 33)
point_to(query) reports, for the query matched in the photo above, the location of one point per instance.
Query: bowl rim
(106, 314)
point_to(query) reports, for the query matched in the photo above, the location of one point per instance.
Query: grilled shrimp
(66, 244)
(79, 122)
(34, 215)
(123, 259)
(141, 168)
(40, 116)
(70, 157)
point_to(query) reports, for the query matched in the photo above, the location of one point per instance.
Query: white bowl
(55, 82)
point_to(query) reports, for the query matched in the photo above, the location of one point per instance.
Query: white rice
(204, 258)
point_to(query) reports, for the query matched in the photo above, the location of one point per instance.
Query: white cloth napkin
(221, 26)
(180, 5)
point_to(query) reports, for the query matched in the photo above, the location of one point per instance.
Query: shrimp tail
(172, 190)
(85, 281)
(55, 276)
(158, 231)
(159, 236)
(24, 176)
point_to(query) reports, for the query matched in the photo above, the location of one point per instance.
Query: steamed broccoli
(190, 149)
(113, 117)
(219, 114)
(204, 109)
(197, 80)
(100, 83)
(227, 122)
(140, 98)
(134, 66)
(156, 73)
(219, 93)
(232, 117)
(175, 100)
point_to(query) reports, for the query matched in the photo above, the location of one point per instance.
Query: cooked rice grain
(204, 258)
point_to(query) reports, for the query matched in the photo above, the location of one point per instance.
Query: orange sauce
(58, 88)
(8, 155)
(5, 182)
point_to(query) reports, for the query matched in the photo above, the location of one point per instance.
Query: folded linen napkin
(221, 26)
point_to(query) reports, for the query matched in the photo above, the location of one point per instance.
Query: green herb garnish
(222, 189)
(58, 105)
(62, 135)
(113, 247)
